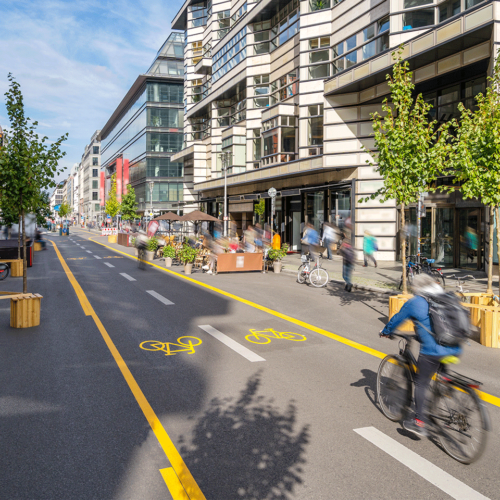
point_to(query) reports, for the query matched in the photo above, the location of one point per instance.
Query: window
(418, 19)
(350, 43)
(287, 86)
(95, 172)
(261, 102)
(198, 14)
(369, 33)
(97, 207)
(318, 56)
(257, 80)
(162, 192)
(223, 24)
(261, 48)
(257, 144)
(315, 125)
(383, 25)
(317, 43)
(165, 117)
(163, 143)
(197, 49)
(95, 184)
(285, 24)
(408, 4)
(448, 9)
(271, 144)
(165, 92)
(163, 167)
(94, 196)
(319, 71)
(95, 150)
(95, 160)
(261, 37)
(233, 52)
(315, 5)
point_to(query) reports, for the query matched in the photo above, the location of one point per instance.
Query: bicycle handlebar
(461, 277)
(399, 334)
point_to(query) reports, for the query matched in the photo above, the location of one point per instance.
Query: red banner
(101, 190)
(119, 175)
(125, 176)
(152, 228)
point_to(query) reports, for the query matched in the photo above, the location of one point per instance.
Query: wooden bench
(24, 308)
(16, 266)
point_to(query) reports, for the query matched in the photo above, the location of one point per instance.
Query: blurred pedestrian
(369, 248)
(330, 238)
(310, 238)
(347, 253)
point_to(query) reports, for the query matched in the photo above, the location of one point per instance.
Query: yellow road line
(180, 468)
(173, 484)
(489, 398)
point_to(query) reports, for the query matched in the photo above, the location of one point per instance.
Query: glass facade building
(145, 130)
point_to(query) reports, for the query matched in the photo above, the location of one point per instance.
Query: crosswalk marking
(125, 275)
(430, 472)
(160, 298)
(232, 344)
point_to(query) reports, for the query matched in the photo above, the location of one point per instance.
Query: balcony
(203, 66)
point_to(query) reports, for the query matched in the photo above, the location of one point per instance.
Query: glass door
(469, 237)
(445, 219)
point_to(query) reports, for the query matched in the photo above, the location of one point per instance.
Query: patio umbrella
(170, 216)
(198, 216)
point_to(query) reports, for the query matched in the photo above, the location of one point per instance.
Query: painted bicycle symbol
(265, 336)
(185, 344)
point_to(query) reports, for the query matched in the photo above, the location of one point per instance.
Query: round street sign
(272, 192)
(151, 214)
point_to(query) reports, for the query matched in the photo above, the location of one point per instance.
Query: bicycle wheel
(438, 277)
(4, 273)
(410, 277)
(318, 277)
(462, 422)
(141, 254)
(393, 387)
(255, 338)
(301, 275)
(189, 341)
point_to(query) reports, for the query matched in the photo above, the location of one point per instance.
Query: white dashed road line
(160, 298)
(232, 344)
(97, 257)
(88, 251)
(430, 472)
(108, 264)
(125, 275)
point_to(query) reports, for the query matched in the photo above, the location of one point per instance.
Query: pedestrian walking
(369, 248)
(347, 253)
(310, 238)
(329, 238)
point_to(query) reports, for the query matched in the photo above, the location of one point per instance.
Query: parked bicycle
(459, 421)
(460, 284)
(317, 276)
(411, 270)
(434, 272)
(4, 270)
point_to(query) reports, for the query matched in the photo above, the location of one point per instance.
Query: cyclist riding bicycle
(431, 353)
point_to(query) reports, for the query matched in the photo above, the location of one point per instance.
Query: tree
(112, 205)
(42, 210)
(410, 150)
(476, 154)
(260, 208)
(8, 215)
(28, 164)
(64, 210)
(129, 205)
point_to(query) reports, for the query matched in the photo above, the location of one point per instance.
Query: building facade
(280, 94)
(143, 133)
(90, 204)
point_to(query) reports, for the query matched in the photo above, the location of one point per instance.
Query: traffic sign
(226, 217)
(151, 214)
(271, 192)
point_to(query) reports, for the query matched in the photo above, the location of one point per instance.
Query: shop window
(418, 19)
(448, 9)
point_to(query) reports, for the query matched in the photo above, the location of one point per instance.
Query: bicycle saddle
(450, 360)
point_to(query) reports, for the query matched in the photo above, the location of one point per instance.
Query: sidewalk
(386, 277)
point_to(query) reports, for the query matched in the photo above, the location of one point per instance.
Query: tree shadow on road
(355, 296)
(247, 449)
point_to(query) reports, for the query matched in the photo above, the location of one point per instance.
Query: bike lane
(323, 378)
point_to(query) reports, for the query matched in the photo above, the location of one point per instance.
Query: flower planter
(277, 266)
(150, 255)
(188, 268)
(168, 261)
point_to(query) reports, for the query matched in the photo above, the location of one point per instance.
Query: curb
(355, 285)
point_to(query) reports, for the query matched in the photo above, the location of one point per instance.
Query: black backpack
(449, 319)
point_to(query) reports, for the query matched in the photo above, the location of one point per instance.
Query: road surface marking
(97, 256)
(160, 297)
(265, 336)
(232, 344)
(88, 251)
(188, 345)
(108, 264)
(82, 247)
(174, 457)
(430, 472)
(76, 258)
(173, 484)
(489, 398)
(125, 275)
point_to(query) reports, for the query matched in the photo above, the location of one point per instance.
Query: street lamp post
(151, 186)
(225, 158)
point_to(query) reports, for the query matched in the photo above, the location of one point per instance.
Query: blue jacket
(417, 309)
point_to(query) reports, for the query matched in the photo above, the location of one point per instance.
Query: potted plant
(187, 255)
(276, 256)
(151, 248)
(169, 254)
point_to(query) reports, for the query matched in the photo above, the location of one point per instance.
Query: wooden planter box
(24, 308)
(113, 238)
(123, 239)
(16, 268)
(236, 262)
(395, 304)
(38, 246)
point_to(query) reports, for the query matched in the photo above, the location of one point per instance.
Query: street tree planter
(168, 261)
(277, 266)
(25, 310)
(490, 327)
(113, 238)
(188, 268)
(16, 268)
(38, 246)
(395, 304)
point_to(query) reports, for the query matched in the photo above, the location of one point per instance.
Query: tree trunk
(403, 247)
(497, 211)
(25, 260)
(9, 232)
(19, 239)
(490, 254)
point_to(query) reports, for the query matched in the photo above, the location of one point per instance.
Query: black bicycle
(459, 419)
(141, 255)
(434, 272)
(4, 270)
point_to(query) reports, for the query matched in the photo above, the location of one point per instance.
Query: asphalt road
(274, 421)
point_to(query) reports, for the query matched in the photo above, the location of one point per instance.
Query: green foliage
(410, 150)
(260, 207)
(169, 251)
(112, 206)
(187, 254)
(42, 211)
(8, 216)
(64, 210)
(128, 206)
(133, 241)
(152, 244)
(279, 254)
(476, 148)
(28, 164)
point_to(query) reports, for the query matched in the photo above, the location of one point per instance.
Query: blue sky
(75, 60)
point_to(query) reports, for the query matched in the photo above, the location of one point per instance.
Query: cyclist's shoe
(416, 426)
